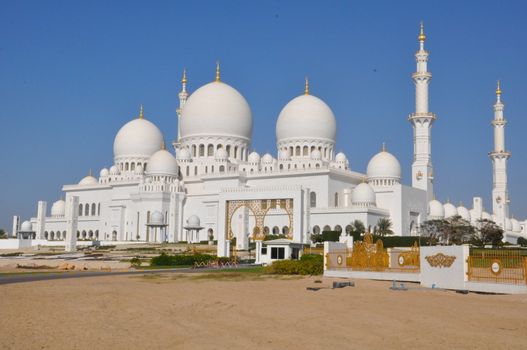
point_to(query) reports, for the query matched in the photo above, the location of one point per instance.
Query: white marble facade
(212, 163)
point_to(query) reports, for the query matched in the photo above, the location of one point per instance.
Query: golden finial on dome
(498, 89)
(306, 88)
(383, 149)
(218, 71)
(90, 172)
(422, 36)
(184, 79)
(141, 112)
(163, 146)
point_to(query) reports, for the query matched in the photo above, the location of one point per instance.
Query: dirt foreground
(234, 312)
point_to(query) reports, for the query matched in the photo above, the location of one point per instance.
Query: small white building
(278, 249)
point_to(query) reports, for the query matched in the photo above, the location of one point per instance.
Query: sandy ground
(188, 312)
(11, 264)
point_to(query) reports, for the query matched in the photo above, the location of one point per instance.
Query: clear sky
(73, 72)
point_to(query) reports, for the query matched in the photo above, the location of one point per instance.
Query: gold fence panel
(497, 266)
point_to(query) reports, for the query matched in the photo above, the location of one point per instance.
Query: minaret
(183, 95)
(422, 120)
(499, 156)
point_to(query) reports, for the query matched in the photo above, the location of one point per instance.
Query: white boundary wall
(432, 274)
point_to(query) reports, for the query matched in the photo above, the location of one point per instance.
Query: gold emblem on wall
(440, 260)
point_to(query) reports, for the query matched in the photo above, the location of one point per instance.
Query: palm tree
(384, 227)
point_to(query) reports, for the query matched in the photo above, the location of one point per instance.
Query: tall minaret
(422, 119)
(183, 95)
(499, 156)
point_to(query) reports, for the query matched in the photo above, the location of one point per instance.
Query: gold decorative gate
(259, 209)
(369, 256)
(497, 266)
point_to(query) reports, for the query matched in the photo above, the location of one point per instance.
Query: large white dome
(137, 138)
(384, 165)
(217, 109)
(450, 210)
(306, 117)
(162, 163)
(463, 212)
(58, 208)
(363, 195)
(26, 227)
(435, 210)
(88, 180)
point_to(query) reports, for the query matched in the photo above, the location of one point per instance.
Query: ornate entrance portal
(259, 209)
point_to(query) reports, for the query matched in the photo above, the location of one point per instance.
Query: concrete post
(258, 252)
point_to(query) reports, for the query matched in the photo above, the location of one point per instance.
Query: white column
(16, 226)
(258, 248)
(41, 219)
(72, 212)
(183, 95)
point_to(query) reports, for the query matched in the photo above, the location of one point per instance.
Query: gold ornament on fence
(367, 255)
(440, 260)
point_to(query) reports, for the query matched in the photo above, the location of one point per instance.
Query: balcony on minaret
(422, 116)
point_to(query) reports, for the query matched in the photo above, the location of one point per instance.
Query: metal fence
(369, 256)
(497, 266)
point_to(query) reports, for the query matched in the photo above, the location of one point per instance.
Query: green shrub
(401, 241)
(271, 237)
(135, 261)
(309, 264)
(178, 260)
(330, 236)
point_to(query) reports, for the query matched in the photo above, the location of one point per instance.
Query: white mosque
(214, 187)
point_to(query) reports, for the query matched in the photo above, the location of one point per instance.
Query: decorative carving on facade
(259, 209)
(367, 255)
(440, 260)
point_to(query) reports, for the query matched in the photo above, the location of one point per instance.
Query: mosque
(215, 188)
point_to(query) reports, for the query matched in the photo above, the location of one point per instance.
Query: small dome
(58, 208)
(341, 158)
(183, 154)
(384, 165)
(114, 170)
(26, 227)
(435, 210)
(267, 159)
(193, 221)
(363, 195)
(221, 154)
(515, 225)
(88, 180)
(316, 155)
(216, 109)
(463, 212)
(157, 218)
(486, 216)
(138, 169)
(137, 138)
(283, 154)
(306, 117)
(104, 172)
(162, 163)
(254, 158)
(450, 210)
(508, 224)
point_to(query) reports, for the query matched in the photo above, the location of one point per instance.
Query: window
(210, 150)
(201, 150)
(336, 199)
(264, 250)
(277, 253)
(313, 199)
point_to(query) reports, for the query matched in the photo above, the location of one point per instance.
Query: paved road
(14, 278)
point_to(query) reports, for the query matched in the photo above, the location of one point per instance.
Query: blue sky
(73, 72)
